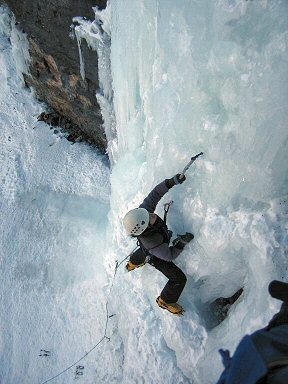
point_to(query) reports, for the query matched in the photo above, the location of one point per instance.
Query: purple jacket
(156, 238)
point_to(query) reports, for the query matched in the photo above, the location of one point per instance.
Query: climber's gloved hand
(226, 359)
(174, 180)
(182, 240)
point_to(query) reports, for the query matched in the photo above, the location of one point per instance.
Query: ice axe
(189, 165)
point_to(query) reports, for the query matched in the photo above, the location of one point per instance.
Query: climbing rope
(106, 324)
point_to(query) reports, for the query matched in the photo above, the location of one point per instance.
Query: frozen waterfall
(177, 78)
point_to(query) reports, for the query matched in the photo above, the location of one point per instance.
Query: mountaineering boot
(182, 240)
(137, 259)
(175, 308)
(130, 266)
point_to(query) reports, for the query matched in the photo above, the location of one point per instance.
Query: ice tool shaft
(189, 164)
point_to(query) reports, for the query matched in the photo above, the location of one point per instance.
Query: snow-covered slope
(186, 77)
(54, 205)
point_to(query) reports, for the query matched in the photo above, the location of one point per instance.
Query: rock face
(55, 65)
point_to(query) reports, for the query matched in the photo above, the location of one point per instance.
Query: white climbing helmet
(136, 221)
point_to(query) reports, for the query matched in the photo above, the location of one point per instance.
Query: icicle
(98, 37)
(78, 37)
(20, 49)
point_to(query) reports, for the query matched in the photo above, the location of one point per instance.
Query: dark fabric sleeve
(151, 201)
(247, 365)
(156, 246)
(165, 252)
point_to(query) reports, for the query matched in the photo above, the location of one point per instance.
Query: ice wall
(189, 77)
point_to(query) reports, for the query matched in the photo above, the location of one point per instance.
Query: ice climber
(154, 238)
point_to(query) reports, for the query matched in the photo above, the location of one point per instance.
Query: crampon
(174, 308)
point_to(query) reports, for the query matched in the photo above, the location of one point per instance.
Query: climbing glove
(182, 240)
(174, 180)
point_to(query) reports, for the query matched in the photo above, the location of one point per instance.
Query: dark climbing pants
(177, 279)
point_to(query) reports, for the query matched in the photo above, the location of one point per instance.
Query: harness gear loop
(166, 209)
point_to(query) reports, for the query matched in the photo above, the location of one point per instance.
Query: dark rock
(74, 133)
(55, 67)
